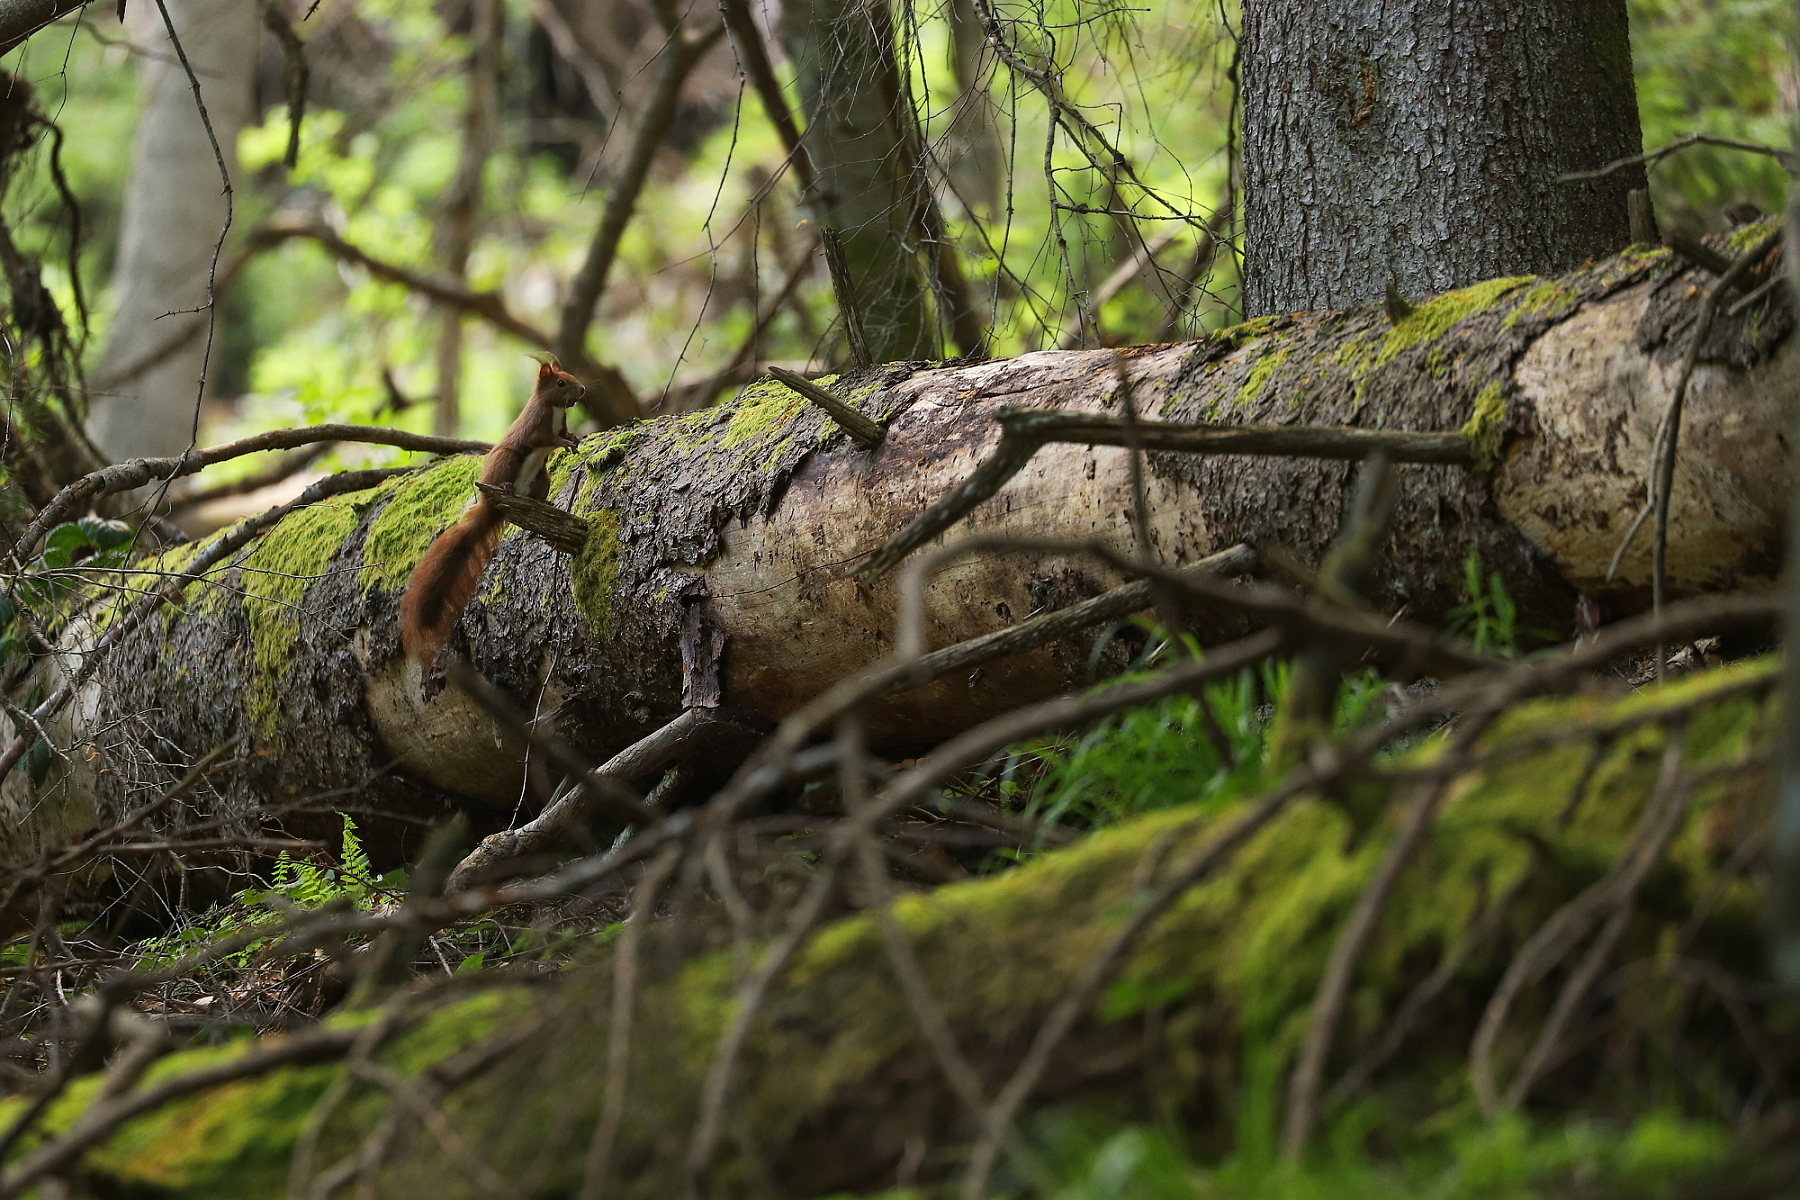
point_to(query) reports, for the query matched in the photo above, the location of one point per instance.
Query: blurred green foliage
(306, 340)
(1723, 67)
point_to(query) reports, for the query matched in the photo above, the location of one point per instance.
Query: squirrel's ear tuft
(547, 364)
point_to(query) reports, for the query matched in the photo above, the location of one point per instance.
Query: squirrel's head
(555, 384)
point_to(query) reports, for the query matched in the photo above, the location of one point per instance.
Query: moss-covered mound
(839, 1093)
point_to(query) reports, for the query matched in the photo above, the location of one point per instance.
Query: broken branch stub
(565, 532)
(867, 433)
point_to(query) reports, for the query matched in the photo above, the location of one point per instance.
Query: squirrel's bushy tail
(445, 580)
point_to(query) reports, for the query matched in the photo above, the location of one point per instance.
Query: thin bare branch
(1024, 431)
(1650, 158)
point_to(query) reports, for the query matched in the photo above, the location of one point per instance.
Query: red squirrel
(445, 580)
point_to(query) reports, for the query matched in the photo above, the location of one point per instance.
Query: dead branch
(843, 289)
(865, 431)
(1650, 158)
(1025, 431)
(584, 795)
(138, 472)
(680, 54)
(284, 469)
(565, 532)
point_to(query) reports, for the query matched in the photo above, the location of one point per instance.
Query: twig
(843, 287)
(212, 269)
(1415, 648)
(1143, 255)
(866, 431)
(908, 788)
(296, 74)
(602, 787)
(1766, 288)
(1665, 467)
(73, 856)
(958, 1072)
(285, 468)
(102, 1120)
(1340, 968)
(1557, 936)
(1650, 158)
(489, 306)
(1669, 802)
(753, 56)
(20, 21)
(136, 472)
(680, 54)
(1025, 430)
(1151, 903)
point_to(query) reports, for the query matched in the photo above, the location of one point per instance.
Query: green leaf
(107, 535)
(471, 964)
(40, 757)
(63, 542)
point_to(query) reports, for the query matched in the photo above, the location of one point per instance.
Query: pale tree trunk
(1423, 140)
(149, 381)
(855, 134)
(715, 569)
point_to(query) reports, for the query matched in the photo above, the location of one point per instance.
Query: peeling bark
(715, 569)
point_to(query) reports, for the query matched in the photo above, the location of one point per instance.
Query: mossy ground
(1225, 974)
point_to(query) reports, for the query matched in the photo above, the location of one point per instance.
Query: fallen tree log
(716, 569)
(839, 1092)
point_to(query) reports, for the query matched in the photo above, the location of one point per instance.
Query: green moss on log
(419, 507)
(273, 580)
(596, 568)
(1431, 320)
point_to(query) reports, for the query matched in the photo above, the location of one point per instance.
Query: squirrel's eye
(562, 383)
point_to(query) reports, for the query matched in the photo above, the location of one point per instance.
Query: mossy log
(1196, 1029)
(719, 543)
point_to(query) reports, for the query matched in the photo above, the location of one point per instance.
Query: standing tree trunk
(842, 55)
(1422, 140)
(149, 381)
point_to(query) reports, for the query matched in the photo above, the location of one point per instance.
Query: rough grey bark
(1424, 138)
(717, 569)
(843, 54)
(149, 381)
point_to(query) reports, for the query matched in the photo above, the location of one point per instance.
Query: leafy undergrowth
(1659, 1154)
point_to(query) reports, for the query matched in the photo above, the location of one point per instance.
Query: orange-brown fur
(445, 580)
